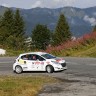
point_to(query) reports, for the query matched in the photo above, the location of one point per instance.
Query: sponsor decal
(58, 60)
(48, 62)
(42, 63)
(21, 61)
(37, 62)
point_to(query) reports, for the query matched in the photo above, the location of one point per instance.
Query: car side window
(36, 57)
(32, 57)
(40, 58)
(24, 57)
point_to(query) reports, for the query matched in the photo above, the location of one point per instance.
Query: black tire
(18, 69)
(49, 69)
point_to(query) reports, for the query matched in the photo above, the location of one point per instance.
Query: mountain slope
(2, 10)
(81, 21)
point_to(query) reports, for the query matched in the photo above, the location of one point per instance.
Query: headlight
(54, 62)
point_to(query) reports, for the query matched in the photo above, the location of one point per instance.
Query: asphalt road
(76, 66)
(6, 65)
(82, 66)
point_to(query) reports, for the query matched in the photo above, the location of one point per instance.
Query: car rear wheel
(18, 69)
(49, 69)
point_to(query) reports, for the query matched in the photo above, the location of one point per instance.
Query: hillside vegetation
(81, 47)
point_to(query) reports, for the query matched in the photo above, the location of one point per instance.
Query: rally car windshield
(48, 56)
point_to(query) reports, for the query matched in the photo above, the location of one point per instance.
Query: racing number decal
(39, 62)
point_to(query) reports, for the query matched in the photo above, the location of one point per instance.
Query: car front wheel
(18, 69)
(49, 69)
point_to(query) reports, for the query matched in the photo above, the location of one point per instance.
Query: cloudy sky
(27, 4)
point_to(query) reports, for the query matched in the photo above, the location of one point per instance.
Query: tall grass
(78, 44)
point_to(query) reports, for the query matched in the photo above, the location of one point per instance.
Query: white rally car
(38, 61)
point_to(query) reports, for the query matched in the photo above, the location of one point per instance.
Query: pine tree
(41, 36)
(8, 21)
(19, 33)
(62, 32)
(6, 26)
(12, 30)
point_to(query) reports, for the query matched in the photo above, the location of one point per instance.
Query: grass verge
(23, 86)
(80, 51)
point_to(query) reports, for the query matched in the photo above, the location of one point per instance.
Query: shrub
(81, 42)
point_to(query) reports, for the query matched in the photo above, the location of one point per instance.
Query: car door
(35, 63)
(31, 63)
(40, 63)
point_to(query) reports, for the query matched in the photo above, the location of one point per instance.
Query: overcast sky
(27, 4)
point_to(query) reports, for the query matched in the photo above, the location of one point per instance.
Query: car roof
(38, 53)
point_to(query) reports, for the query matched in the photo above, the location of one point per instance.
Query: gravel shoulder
(71, 86)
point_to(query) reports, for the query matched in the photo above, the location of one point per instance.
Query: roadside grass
(89, 52)
(10, 52)
(13, 52)
(23, 86)
(84, 51)
(78, 51)
(81, 47)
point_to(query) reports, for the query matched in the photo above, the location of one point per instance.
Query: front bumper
(60, 68)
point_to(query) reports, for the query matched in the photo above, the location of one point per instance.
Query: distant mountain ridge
(81, 21)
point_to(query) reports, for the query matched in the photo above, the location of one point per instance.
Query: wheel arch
(47, 66)
(17, 71)
(19, 66)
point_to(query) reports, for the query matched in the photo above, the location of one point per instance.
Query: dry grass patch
(23, 86)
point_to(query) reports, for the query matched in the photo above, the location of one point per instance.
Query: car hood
(57, 59)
